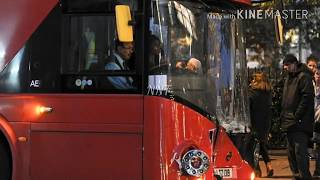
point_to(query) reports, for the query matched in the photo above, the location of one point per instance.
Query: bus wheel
(5, 161)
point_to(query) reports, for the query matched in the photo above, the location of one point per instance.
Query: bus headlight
(195, 162)
(252, 176)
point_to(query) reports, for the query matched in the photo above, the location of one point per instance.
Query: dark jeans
(298, 154)
(264, 151)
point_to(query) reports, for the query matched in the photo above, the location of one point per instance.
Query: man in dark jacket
(297, 115)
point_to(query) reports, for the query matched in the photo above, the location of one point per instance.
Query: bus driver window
(121, 58)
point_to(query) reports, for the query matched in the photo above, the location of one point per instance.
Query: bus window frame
(66, 10)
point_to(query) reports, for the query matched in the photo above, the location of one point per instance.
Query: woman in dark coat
(260, 113)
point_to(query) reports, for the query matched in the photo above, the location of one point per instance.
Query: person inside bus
(120, 60)
(193, 65)
(155, 52)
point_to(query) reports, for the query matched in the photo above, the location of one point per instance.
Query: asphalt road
(280, 165)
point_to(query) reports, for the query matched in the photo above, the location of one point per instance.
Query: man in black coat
(297, 115)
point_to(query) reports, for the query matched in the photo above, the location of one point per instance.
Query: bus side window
(88, 43)
(91, 57)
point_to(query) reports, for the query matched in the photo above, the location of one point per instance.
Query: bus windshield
(198, 57)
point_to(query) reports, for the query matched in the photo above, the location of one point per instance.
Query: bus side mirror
(123, 20)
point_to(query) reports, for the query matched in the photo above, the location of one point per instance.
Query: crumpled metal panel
(171, 129)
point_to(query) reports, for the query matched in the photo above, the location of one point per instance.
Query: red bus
(62, 116)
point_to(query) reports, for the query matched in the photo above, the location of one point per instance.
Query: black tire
(5, 161)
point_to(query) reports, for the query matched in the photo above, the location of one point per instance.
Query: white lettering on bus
(35, 83)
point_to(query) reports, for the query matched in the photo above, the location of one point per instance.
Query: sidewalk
(280, 165)
(278, 152)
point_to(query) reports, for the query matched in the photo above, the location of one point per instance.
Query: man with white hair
(193, 65)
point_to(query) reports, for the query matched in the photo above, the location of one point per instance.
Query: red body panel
(169, 125)
(78, 155)
(84, 137)
(223, 147)
(134, 138)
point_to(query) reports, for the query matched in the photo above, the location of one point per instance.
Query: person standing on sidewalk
(316, 133)
(311, 63)
(297, 115)
(260, 113)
